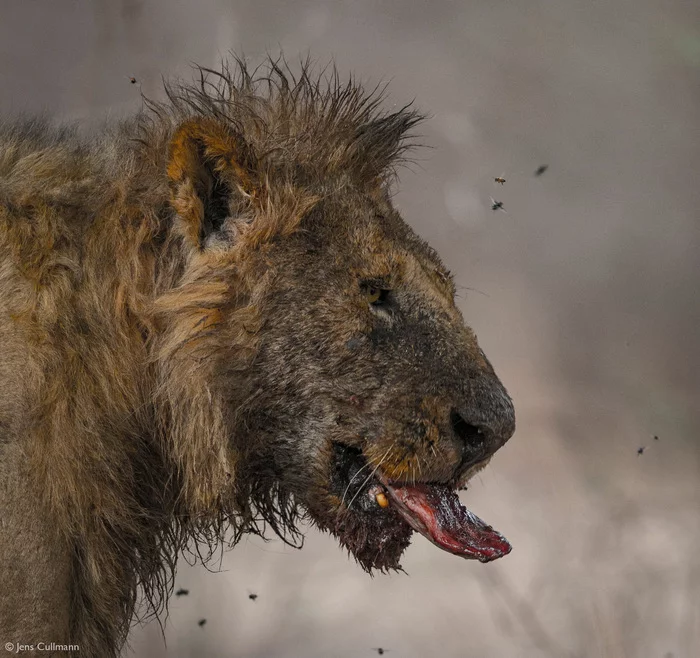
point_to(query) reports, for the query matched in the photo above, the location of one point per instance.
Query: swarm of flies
(642, 449)
(501, 180)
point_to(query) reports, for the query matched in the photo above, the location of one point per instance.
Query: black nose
(467, 433)
(487, 407)
(477, 441)
(484, 424)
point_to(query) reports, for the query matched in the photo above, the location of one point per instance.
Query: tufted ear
(212, 173)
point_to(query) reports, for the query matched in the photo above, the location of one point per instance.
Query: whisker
(369, 477)
(352, 479)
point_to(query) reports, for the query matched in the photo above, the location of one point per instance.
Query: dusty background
(585, 299)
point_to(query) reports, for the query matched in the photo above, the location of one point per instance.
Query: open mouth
(432, 509)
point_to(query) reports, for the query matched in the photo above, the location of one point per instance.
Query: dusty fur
(151, 396)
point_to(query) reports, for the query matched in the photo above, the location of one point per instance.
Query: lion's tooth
(381, 499)
(379, 496)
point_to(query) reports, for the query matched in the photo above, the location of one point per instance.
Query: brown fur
(185, 343)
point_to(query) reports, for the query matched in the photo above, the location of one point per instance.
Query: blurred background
(584, 296)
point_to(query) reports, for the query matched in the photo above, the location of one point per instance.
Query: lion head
(311, 357)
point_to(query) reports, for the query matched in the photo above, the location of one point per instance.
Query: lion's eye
(374, 294)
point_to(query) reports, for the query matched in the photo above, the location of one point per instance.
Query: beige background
(585, 299)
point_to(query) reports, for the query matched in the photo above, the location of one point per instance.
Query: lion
(214, 322)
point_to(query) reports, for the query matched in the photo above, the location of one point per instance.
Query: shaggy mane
(306, 130)
(310, 122)
(147, 354)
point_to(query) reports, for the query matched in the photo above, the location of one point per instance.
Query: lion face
(383, 403)
(340, 372)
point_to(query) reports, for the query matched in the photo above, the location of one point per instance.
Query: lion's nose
(477, 440)
(485, 423)
(467, 433)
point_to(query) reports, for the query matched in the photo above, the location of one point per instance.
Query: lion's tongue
(435, 511)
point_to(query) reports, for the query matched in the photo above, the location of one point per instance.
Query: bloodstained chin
(376, 541)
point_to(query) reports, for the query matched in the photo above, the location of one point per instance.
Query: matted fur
(134, 418)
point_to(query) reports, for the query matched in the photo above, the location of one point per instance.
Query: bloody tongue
(435, 511)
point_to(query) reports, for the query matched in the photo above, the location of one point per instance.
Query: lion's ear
(211, 170)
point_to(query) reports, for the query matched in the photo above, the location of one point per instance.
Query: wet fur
(139, 412)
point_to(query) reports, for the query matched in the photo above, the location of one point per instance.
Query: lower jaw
(377, 542)
(383, 513)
